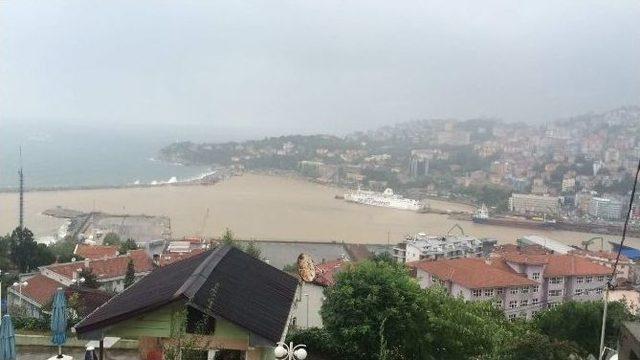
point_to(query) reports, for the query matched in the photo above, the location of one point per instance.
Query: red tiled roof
(39, 288)
(95, 252)
(170, 258)
(608, 255)
(107, 268)
(573, 265)
(471, 273)
(325, 272)
(518, 249)
(526, 259)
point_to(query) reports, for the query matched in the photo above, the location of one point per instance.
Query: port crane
(586, 243)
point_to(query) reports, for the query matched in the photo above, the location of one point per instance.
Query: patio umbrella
(59, 320)
(7, 339)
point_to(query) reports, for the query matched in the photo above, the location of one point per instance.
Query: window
(513, 304)
(476, 292)
(555, 280)
(601, 278)
(534, 301)
(199, 323)
(580, 279)
(513, 290)
(535, 276)
(534, 313)
(500, 291)
(488, 292)
(498, 304)
(578, 292)
(524, 303)
(535, 289)
(589, 279)
(551, 305)
(434, 278)
(599, 291)
(555, 292)
(525, 289)
(512, 317)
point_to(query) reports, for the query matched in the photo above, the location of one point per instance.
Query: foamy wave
(174, 179)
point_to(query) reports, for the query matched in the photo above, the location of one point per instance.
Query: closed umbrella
(59, 320)
(7, 339)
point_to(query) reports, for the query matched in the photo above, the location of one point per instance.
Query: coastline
(260, 207)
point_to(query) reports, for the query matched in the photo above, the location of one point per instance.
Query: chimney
(86, 263)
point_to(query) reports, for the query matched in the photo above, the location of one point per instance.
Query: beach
(261, 207)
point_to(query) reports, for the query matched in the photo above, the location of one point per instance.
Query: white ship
(384, 199)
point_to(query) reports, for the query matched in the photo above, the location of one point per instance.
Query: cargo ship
(481, 216)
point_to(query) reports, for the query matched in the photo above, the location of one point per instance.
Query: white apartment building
(605, 208)
(534, 204)
(435, 247)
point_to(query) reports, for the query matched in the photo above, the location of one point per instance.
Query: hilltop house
(41, 286)
(241, 304)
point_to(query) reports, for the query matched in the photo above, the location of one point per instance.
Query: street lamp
(290, 352)
(20, 285)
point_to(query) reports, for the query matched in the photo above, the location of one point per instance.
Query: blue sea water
(72, 155)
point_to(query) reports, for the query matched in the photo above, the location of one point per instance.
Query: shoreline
(261, 206)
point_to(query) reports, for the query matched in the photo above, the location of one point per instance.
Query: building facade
(520, 284)
(605, 208)
(534, 204)
(435, 247)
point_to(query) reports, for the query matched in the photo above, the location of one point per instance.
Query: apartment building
(521, 283)
(534, 204)
(561, 277)
(476, 280)
(434, 247)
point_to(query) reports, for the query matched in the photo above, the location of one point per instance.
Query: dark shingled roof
(225, 283)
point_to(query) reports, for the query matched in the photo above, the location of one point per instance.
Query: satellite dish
(306, 268)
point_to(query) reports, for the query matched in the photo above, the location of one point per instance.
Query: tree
(63, 250)
(228, 238)
(25, 253)
(366, 295)
(90, 279)
(111, 239)
(130, 276)
(580, 322)
(253, 250)
(127, 246)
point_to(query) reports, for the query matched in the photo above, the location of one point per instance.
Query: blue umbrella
(59, 320)
(7, 339)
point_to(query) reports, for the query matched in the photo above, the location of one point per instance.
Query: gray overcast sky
(331, 66)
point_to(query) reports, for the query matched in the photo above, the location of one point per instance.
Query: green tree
(228, 238)
(25, 253)
(366, 295)
(580, 322)
(111, 239)
(127, 246)
(130, 276)
(63, 250)
(90, 279)
(253, 250)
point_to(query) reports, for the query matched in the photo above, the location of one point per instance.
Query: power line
(615, 265)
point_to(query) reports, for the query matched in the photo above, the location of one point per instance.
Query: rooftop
(106, 268)
(94, 252)
(547, 243)
(472, 273)
(248, 293)
(39, 288)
